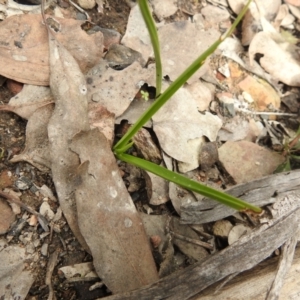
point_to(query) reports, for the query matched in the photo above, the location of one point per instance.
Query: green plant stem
(189, 184)
(174, 86)
(155, 42)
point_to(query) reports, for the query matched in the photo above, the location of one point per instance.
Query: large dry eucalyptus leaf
(89, 186)
(108, 218)
(25, 52)
(279, 58)
(28, 100)
(69, 117)
(115, 90)
(180, 128)
(181, 43)
(37, 150)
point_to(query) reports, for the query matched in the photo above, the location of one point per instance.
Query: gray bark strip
(241, 256)
(258, 192)
(286, 260)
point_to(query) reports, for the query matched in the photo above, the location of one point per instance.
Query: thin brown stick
(193, 241)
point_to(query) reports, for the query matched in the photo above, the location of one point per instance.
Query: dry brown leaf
(69, 117)
(115, 90)
(89, 186)
(25, 52)
(279, 58)
(181, 43)
(7, 217)
(109, 220)
(101, 118)
(16, 278)
(28, 100)
(36, 149)
(180, 129)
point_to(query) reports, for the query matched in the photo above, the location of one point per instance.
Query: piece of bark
(242, 255)
(121, 251)
(284, 265)
(50, 268)
(255, 283)
(258, 192)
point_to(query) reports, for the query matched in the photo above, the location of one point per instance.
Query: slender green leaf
(295, 157)
(284, 167)
(154, 40)
(173, 88)
(188, 183)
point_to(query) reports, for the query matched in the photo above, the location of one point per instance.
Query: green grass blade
(154, 40)
(188, 183)
(173, 88)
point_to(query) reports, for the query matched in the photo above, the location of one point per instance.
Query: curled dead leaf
(25, 52)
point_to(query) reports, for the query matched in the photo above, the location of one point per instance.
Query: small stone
(222, 228)
(14, 86)
(44, 249)
(236, 232)
(155, 240)
(87, 4)
(240, 160)
(80, 16)
(261, 92)
(23, 183)
(46, 211)
(227, 103)
(208, 155)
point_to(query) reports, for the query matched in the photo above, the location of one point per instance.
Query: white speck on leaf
(113, 192)
(83, 89)
(127, 222)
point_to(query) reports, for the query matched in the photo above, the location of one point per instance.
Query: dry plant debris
(83, 87)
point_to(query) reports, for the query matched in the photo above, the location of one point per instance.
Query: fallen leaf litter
(183, 128)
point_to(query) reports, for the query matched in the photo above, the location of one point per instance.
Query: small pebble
(44, 249)
(23, 183)
(222, 228)
(46, 211)
(87, 4)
